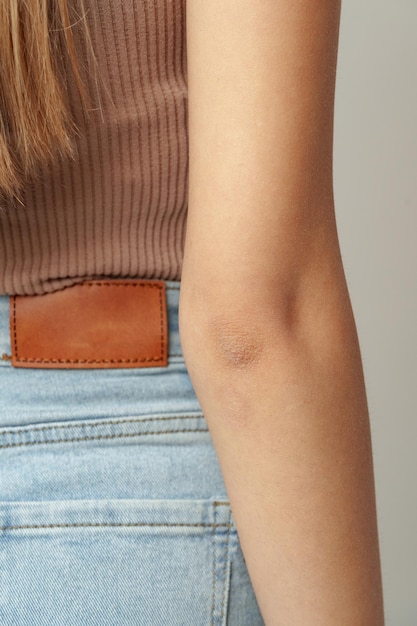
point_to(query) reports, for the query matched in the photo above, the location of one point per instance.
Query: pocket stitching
(227, 525)
(226, 565)
(121, 525)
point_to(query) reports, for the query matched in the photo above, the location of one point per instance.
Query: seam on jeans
(213, 601)
(225, 571)
(119, 436)
(152, 359)
(101, 423)
(111, 525)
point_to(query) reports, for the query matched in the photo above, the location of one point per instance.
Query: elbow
(231, 340)
(243, 337)
(230, 357)
(237, 343)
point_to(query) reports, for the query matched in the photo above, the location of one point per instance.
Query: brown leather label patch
(95, 324)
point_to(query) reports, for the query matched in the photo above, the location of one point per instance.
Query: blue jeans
(113, 509)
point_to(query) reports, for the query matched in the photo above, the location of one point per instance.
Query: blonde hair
(34, 117)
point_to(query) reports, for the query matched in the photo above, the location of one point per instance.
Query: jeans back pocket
(108, 562)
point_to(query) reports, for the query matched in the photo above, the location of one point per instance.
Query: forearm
(265, 320)
(291, 430)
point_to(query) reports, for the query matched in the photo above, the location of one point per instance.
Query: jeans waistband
(30, 395)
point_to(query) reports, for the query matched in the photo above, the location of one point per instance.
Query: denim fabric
(113, 509)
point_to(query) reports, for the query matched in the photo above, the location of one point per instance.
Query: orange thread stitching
(213, 584)
(118, 436)
(115, 524)
(229, 525)
(101, 423)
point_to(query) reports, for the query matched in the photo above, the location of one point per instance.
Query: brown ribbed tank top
(119, 208)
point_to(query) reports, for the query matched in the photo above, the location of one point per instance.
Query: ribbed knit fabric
(119, 208)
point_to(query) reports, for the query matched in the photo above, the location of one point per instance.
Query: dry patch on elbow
(237, 344)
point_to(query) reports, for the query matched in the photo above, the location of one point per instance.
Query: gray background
(375, 179)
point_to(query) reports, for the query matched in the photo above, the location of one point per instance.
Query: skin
(266, 322)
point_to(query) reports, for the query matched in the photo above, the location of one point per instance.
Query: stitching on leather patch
(17, 358)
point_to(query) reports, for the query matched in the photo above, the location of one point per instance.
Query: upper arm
(261, 79)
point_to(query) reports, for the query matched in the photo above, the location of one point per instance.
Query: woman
(235, 487)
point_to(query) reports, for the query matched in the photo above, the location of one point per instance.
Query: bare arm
(266, 322)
